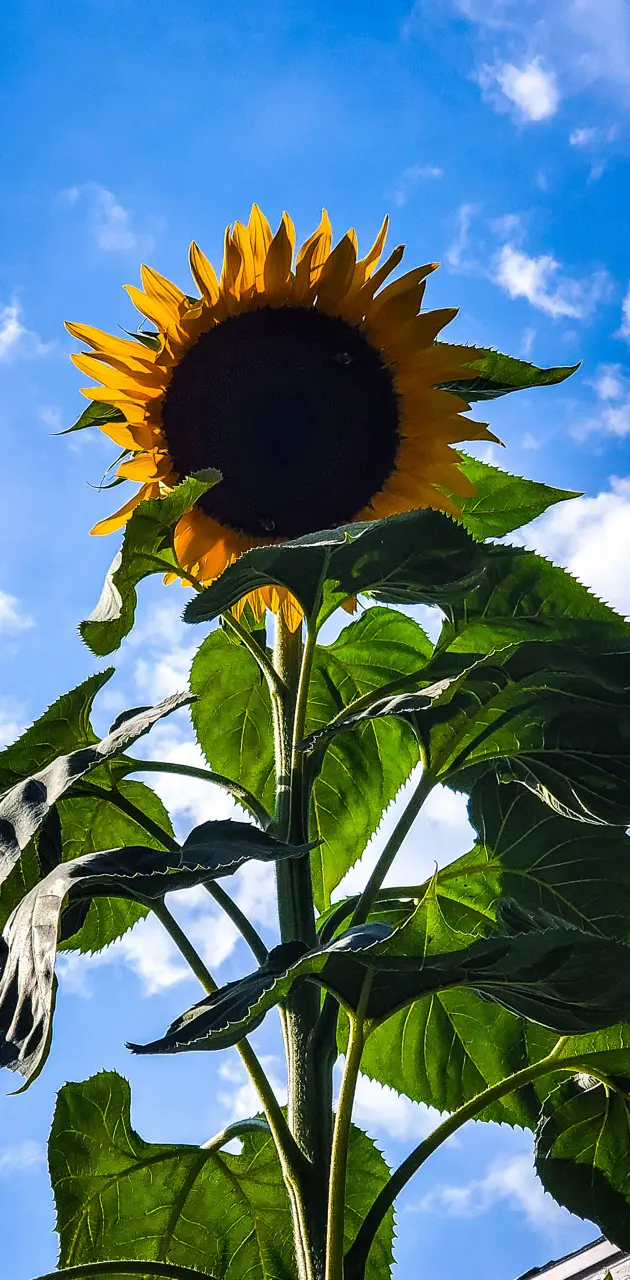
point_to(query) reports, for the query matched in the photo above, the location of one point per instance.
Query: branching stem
(239, 792)
(357, 1255)
(341, 1137)
(274, 680)
(385, 861)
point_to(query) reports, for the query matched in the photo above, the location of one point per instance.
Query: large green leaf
(523, 596)
(570, 982)
(499, 374)
(557, 717)
(118, 1196)
(92, 822)
(62, 728)
(362, 772)
(503, 502)
(232, 715)
(58, 906)
(24, 808)
(147, 548)
(583, 1153)
(420, 557)
(576, 871)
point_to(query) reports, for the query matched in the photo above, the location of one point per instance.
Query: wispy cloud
(531, 90)
(612, 388)
(12, 616)
(590, 537)
(456, 252)
(514, 1182)
(16, 341)
(110, 222)
(624, 328)
(410, 178)
(21, 1157)
(540, 281)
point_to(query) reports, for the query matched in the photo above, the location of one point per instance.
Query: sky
(495, 134)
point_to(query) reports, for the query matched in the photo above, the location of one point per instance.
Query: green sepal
(97, 414)
(147, 548)
(499, 374)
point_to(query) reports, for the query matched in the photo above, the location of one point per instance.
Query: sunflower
(309, 386)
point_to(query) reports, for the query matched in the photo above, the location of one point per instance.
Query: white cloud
(240, 1099)
(378, 1108)
(440, 833)
(12, 616)
(409, 178)
(624, 328)
(11, 720)
(514, 1182)
(21, 1157)
(455, 253)
(531, 89)
(16, 341)
(613, 389)
(609, 382)
(51, 417)
(584, 137)
(590, 536)
(110, 222)
(537, 280)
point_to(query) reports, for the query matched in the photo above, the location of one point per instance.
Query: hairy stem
(288, 1151)
(238, 917)
(341, 1138)
(357, 1255)
(385, 861)
(254, 1125)
(272, 676)
(239, 792)
(123, 1267)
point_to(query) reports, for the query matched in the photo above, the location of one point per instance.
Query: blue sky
(495, 134)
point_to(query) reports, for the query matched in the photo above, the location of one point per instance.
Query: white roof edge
(581, 1264)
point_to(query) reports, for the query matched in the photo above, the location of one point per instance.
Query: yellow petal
(358, 304)
(277, 273)
(145, 466)
(337, 273)
(164, 316)
(204, 275)
(106, 344)
(407, 284)
(117, 376)
(247, 278)
(130, 437)
(260, 235)
(163, 290)
(322, 239)
(366, 265)
(231, 263)
(120, 517)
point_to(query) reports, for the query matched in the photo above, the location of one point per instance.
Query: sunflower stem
(293, 661)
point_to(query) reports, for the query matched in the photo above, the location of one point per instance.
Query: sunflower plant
(295, 430)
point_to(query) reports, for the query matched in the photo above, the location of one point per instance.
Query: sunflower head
(309, 383)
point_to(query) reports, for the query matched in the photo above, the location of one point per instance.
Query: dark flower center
(296, 410)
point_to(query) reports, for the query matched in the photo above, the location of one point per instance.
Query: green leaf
(232, 715)
(558, 718)
(575, 871)
(362, 772)
(568, 981)
(91, 822)
(502, 502)
(118, 1196)
(96, 415)
(147, 548)
(57, 906)
(499, 374)
(583, 1154)
(420, 557)
(26, 805)
(62, 728)
(523, 596)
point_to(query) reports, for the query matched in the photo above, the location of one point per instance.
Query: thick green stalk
(341, 1138)
(357, 1255)
(297, 920)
